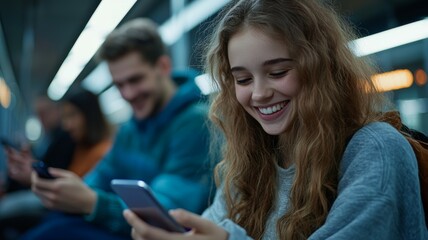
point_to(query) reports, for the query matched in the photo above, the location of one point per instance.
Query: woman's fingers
(141, 230)
(201, 228)
(193, 221)
(60, 173)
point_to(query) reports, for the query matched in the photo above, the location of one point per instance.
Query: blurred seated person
(55, 147)
(165, 144)
(84, 122)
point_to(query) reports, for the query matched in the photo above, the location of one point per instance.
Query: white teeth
(272, 109)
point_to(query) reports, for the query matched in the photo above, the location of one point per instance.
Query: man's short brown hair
(139, 35)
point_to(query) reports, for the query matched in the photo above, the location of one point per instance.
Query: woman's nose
(261, 90)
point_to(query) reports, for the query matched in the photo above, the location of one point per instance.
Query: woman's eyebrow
(265, 63)
(237, 69)
(276, 60)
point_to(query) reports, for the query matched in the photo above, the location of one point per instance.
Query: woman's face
(73, 121)
(266, 80)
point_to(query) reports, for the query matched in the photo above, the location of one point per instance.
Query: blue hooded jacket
(169, 151)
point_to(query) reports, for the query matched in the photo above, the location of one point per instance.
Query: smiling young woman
(291, 95)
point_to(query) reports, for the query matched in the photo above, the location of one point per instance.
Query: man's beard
(158, 104)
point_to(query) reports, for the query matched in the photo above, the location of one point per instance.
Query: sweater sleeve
(217, 214)
(378, 182)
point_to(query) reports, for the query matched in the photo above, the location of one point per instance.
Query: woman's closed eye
(242, 81)
(278, 74)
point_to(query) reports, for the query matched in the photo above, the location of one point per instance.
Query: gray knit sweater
(378, 193)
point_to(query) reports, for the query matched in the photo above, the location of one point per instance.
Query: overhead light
(114, 106)
(390, 38)
(5, 94)
(105, 18)
(99, 79)
(413, 106)
(205, 83)
(393, 80)
(420, 77)
(184, 21)
(411, 110)
(33, 129)
(111, 100)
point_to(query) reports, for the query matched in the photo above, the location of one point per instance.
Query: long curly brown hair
(336, 98)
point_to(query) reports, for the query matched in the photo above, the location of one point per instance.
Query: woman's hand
(202, 229)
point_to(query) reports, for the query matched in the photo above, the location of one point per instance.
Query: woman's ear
(164, 65)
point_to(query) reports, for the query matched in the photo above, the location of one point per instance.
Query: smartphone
(139, 198)
(42, 170)
(7, 143)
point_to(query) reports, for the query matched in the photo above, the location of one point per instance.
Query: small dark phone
(42, 170)
(7, 143)
(139, 199)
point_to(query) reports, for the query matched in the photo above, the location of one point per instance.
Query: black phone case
(42, 170)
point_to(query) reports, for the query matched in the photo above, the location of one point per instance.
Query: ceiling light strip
(105, 18)
(391, 38)
(188, 18)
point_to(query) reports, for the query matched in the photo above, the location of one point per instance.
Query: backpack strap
(419, 143)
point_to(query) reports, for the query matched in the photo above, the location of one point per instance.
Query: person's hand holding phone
(66, 192)
(201, 228)
(19, 164)
(42, 170)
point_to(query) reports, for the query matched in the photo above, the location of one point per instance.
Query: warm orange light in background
(420, 77)
(4, 94)
(393, 80)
